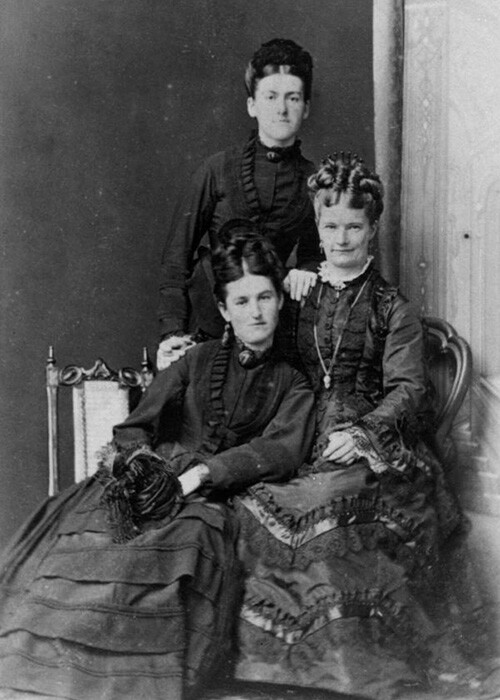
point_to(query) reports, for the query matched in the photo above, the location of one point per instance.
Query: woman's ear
(374, 229)
(251, 106)
(223, 310)
(281, 301)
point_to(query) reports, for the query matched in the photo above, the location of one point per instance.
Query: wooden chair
(101, 399)
(449, 360)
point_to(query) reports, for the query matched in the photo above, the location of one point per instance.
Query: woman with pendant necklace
(355, 580)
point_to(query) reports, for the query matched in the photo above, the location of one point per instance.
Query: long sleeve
(178, 409)
(191, 220)
(162, 400)
(278, 451)
(404, 379)
(309, 254)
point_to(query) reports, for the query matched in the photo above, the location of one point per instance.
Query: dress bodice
(336, 325)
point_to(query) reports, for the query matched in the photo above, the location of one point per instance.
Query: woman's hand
(298, 283)
(171, 349)
(341, 448)
(192, 479)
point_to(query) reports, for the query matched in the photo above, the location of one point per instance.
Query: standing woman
(122, 587)
(265, 180)
(349, 581)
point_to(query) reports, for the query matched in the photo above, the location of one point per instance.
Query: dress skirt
(343, 589)
(83, 617)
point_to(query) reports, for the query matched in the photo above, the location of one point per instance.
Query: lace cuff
(365, 449)
(386, 443)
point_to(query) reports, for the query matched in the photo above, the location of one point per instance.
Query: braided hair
(346, 174)
(272, 56)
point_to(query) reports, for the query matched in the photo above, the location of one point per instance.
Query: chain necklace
(327, 379)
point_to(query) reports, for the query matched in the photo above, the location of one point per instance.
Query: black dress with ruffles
(355, 579)
(267, 186)
(86, 617)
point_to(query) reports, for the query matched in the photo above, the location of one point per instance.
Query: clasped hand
(341, 448)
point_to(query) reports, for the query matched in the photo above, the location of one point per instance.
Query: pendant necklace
(327, 371)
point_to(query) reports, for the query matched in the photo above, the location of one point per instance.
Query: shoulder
(203, 352)
(289, 371)
(385, 294)
(393, 310)
(215, 166)
(390, 305)
(306, 165)
(220, 157)
(212, 166)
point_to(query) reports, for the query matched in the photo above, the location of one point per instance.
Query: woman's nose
(255, 310)
(342, 237)
(282, 105)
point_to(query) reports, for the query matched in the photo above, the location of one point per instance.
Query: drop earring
(226, 336)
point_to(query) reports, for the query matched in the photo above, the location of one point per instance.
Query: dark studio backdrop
(107, 106)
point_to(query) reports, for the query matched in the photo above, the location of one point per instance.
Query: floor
(258, 691)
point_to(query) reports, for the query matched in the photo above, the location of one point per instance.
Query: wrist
(203, 473)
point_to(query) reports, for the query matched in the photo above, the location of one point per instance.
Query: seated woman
(123, 585)
(345, 585)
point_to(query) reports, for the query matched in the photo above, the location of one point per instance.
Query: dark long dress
(86, 618)
(267, 186)
(344, 565)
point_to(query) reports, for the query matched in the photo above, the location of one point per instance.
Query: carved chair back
(449, 360)
(101, 399)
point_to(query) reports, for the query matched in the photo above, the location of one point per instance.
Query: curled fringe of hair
(346, 172)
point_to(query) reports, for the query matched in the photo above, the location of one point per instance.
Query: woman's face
(279, 108)
(345, 234)
(252, 307)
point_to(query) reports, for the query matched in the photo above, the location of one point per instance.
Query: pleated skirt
(84, 618)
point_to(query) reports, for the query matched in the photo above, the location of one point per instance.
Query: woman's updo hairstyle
(347, 174)
(240, 244)
(272, 56)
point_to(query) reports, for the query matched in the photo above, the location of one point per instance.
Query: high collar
(327, 275)
(275, 154)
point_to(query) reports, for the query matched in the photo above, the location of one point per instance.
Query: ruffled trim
(286, 211)
(365, 450)
(218, 373)
(291, 528)
(360, 604)
(327, 275)
(331, 546)
(217, 378)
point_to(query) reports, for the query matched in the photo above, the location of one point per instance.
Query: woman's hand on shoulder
(298, 283)
(171, 349)
(341, 448)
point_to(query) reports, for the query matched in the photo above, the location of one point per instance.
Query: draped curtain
(388, 28)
